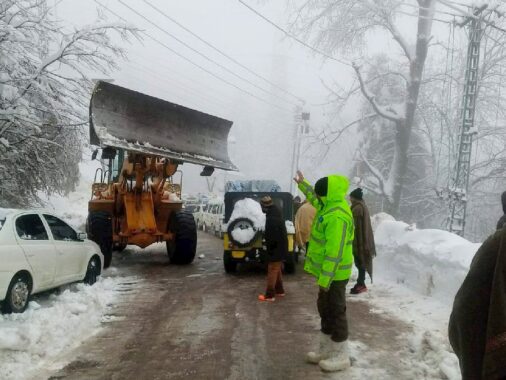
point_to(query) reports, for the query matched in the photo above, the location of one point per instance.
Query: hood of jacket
(337, 189)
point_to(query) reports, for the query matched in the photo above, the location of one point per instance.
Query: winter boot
(357, 289)
(315, 357)
(264, 298)
(338, 359)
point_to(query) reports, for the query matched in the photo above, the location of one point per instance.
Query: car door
(70, 251)
(33, 238)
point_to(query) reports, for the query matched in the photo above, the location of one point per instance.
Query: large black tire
(183, 248)
(18, 294)
(229, 264)
(118, 247)
(233, 225)
(93, 271)
(290, 264)
(100, 231)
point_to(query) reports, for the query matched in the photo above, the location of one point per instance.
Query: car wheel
(18, 294)
(93, 271)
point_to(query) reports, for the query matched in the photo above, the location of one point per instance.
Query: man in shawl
(363, 244)
(477, 328)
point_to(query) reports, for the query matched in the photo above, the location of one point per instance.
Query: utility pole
(301, 128)
(459, 189)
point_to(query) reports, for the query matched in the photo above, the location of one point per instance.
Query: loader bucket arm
(126, 119)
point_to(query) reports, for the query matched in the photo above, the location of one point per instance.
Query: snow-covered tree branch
(45, 87)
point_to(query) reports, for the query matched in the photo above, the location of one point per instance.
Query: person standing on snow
(276, 242)
(330, 260)
(502, 220)
(363, 244)
(303, 222)
(477, 327)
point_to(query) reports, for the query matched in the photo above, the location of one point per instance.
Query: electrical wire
(293, 37)
(196, 64)
(203, 55)
(221, 52)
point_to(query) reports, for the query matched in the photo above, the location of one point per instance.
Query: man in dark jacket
(276, 242)
(502, 221)
(477, 328)
(363, 244)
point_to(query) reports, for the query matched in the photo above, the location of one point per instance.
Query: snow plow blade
(126, 119)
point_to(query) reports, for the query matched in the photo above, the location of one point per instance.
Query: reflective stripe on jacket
(330, 254)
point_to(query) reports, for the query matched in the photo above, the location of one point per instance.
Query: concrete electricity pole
(301, 128)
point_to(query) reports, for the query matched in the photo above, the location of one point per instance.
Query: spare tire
(242, 224)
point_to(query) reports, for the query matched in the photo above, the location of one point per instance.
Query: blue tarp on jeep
(269, 186)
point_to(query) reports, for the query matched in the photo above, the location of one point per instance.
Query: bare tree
(44, 91)
(341, 26)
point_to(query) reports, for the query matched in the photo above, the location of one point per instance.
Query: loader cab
(116, 165)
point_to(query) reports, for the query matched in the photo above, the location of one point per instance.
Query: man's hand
(299, 177)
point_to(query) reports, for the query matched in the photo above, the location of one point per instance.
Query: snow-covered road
(196, 322)
(55, 323)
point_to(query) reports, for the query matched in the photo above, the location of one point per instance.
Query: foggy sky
(262, 135)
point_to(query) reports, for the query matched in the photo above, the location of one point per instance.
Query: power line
(196, 64)
(176, 81)
(203, 55)
(221, 52)
(295, 38)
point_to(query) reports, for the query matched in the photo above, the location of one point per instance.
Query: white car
(198, 215)
(39, 251)
(213, 218)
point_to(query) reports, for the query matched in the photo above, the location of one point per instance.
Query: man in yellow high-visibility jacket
(330, 260)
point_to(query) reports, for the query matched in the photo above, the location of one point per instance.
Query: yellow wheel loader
(136, 196)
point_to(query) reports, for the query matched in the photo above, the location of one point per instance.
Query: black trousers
(361, 276)
(332, 309)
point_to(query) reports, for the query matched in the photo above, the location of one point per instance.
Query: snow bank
(74, 206)
(431, 262)
(416, 276)
(54, 323)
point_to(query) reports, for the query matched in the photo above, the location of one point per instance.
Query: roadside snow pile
(379, 218)
(249, 209)
(52, 324)
(74, 206)
(416, 276)
(431, 262)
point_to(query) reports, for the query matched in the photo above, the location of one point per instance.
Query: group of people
(334, 235)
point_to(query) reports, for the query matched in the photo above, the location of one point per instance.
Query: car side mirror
(82, 236)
